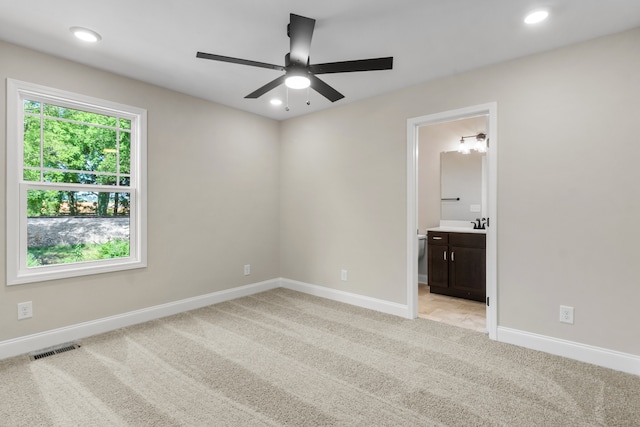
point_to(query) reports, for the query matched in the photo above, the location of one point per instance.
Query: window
(76, 192)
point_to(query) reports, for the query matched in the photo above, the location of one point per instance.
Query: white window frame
(16, 201)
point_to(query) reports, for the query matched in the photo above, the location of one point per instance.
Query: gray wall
(333, 195)
(212, 194)
(567, 189)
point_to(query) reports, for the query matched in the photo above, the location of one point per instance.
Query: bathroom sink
(451, 229)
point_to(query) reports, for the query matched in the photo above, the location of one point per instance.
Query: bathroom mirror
(462, 186)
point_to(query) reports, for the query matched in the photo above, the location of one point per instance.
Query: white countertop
(451, 229)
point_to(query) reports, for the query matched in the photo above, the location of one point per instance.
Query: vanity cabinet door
(438, 259)
(467, 271)
(457, 264)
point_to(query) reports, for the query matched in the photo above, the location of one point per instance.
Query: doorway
(413, 125)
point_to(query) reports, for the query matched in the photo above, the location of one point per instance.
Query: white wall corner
(611, 359)
(348, 297)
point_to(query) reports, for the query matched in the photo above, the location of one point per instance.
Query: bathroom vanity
(457, 263)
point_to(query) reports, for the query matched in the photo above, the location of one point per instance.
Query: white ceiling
(156, 40)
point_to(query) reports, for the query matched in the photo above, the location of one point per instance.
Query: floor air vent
(53, 350)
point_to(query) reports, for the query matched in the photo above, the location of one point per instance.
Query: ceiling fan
(299, 74)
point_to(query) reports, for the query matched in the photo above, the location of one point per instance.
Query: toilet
(422, 245)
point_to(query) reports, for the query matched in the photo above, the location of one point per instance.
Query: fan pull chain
(286, 108)
(308, 101)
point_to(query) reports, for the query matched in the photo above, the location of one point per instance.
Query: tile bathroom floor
(454, 311)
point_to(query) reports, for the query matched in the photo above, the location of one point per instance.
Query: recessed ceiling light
(85, 34)
(275, 101)
(535, 17)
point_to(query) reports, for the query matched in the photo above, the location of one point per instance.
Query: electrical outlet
(247, 269)
(25, 310)
(344, 275)
(566, 314)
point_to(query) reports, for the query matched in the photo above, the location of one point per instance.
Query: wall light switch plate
(344, 275)
(247, 269)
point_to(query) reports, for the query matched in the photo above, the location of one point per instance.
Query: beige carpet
(285, 358)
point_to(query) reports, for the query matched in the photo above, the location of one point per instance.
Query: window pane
(77, 203)
(31, 145)
(43, 203)
(72, 226)
(78, 147)
(31, 175)
(106, 180)
(125, 152)
(107, 161)
(125, 124)
(81, 116)
(31, 106)
(61, 177)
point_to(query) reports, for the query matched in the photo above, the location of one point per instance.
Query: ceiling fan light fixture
(85, 34)
(276, 102)
(297, 81)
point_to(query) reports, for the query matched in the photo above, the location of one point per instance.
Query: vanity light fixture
(85, 34)
(480, 145)
(463, 148)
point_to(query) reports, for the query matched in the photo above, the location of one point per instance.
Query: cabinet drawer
(468, 240)
(437, 238)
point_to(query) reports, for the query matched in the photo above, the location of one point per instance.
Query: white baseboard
(35, 342)
(612, 359)
(423, 278)
(347, 297)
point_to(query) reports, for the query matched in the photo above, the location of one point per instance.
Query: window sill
(73, 270)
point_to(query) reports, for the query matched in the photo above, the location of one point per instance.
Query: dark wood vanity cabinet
(457, 264)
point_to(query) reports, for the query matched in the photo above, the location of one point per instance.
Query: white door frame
(490, 109)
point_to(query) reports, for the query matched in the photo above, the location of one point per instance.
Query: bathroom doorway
(428, 137)
(451, 196)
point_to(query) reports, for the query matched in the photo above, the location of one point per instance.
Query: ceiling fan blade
(266, 88)
(213, 57)
(324, 89)
(373, 64)
(300, 33)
